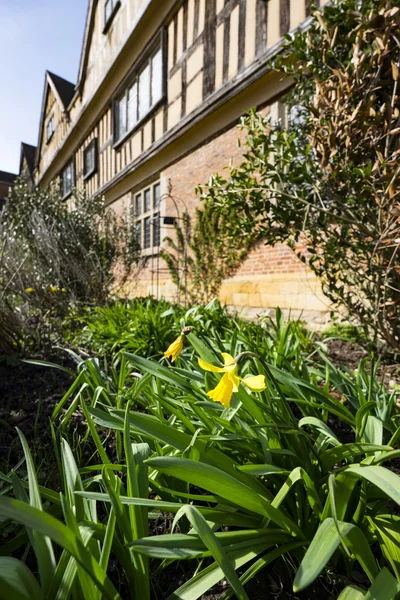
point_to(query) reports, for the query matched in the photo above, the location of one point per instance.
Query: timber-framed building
(160, 89)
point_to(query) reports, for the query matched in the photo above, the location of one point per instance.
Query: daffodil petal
(208, 367)
(235, 379)
(223, 392)
(255, 383)
(229, 361)
(174, 349)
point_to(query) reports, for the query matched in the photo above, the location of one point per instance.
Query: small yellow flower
(53, 288)
(231, 380)
(29, 290)
(174, 349)
(63, 290)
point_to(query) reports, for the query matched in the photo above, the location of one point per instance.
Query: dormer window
(50, 129)
(110, 9)
(143, 92)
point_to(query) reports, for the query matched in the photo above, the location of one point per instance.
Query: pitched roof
(65, 89)
(29, 153)
(6, 177)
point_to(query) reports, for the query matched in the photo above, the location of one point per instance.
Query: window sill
(150, 251)
(111, 17)
(118, 143)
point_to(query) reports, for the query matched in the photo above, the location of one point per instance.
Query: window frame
(49, 137)
(93, 144)
(73, 181)
(154, 215)
(107, 21)
(133, 77)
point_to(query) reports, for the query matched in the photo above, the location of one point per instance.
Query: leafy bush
(328, 185)
(55, 254)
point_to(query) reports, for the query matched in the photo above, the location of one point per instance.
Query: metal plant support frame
(180, 216)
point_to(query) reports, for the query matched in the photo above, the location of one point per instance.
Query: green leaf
(215, 547)
(352, 592)
(385, 587)
(17, 581)
(51, 527)
(387, 481)
(42, 544)
(217, 481)
(325, 542)
(345, 451)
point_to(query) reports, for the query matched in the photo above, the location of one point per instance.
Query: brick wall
(268, 277)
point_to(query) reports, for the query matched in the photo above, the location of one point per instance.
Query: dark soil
(29, 393)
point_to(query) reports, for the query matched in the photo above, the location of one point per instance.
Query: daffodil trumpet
(174, 349)
(230, 381)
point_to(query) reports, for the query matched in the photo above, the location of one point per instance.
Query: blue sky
(35, 35)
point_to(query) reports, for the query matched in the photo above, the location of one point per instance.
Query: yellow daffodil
(231, 380)
(29, 290)
(174, 349)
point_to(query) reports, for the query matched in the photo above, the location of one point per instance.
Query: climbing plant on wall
(203, 253)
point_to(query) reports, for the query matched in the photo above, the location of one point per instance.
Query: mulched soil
(28, 394)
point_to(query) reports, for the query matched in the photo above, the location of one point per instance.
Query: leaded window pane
(121, 122)
(147, 201)
(156, 77)
(157, 197)
(138, 205)
(147, 232)
(156, 230)
(132, 105)
(144, 92)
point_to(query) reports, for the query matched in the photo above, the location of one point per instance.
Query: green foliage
(297, 471)
(328, 184)
(54, 255)
(202, 256)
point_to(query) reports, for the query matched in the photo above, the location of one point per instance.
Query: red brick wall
(196, 168)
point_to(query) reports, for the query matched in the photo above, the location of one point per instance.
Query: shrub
(328, 185)
(57, 254)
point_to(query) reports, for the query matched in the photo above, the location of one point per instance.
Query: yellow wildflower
(174, 349)
(63, 290)
(29, 290)
(53, 288)
(231, 380)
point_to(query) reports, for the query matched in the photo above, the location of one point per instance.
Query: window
(147, 216)
(90, 159)
(50, 129)
(110, 8)
(142, 93)
(68, 179)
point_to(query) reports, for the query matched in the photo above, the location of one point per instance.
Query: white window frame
(151, 215)
(133, 117)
